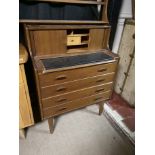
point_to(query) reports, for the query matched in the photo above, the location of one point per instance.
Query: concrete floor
(81, 132)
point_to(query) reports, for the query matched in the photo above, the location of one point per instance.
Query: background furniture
(25, 111)
(125, 79)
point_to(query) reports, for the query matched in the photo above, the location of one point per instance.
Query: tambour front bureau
(72, 64)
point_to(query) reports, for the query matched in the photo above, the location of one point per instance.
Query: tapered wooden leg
(100, 108)
(22, 133)
(51, 124)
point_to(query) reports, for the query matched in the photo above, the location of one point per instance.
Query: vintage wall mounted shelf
(72, 63)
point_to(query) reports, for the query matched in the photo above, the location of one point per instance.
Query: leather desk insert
(68, 61)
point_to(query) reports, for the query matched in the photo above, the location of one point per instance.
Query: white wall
(126, 9)
(125, 12)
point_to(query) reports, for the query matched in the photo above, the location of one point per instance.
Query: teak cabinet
(73, 67)
(72, 63)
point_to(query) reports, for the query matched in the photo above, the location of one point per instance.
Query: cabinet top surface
(33, 21)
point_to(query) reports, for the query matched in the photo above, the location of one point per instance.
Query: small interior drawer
(67, 87)
(48, 112)
(64, 98)
(73, 40)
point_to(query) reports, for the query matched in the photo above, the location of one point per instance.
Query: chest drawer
(75, 85)
(48, 112)
(75, 74)
(64, 98)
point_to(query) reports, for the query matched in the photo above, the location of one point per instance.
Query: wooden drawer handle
(102, 70)
(64, 108)
(98, 98)
(100, 80)
(61, 77)
(61, 100)
(61, 89)
(99, 90)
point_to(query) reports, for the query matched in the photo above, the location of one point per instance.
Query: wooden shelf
(83, 43)
(76, 35)
(73, 1)
(33, 21)
(77, 50)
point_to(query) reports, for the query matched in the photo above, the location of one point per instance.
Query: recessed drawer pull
(64, 108)
(61, 100)
(102, 70)
(100, 80)
(99, 90)
(61, 77)
(98, 98)
(61, 89)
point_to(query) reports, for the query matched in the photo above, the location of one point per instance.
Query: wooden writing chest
(70, 73)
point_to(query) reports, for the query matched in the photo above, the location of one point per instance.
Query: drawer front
(48, 112)
(64, 98)
(75, 85)
(75, 74)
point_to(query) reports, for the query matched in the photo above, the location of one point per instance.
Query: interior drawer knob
(102, 70)
(61, 77)
(61, 89)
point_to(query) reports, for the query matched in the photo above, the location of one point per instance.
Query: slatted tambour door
(46, 42)
(96, 38)
(99, 39)
(105, 43)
